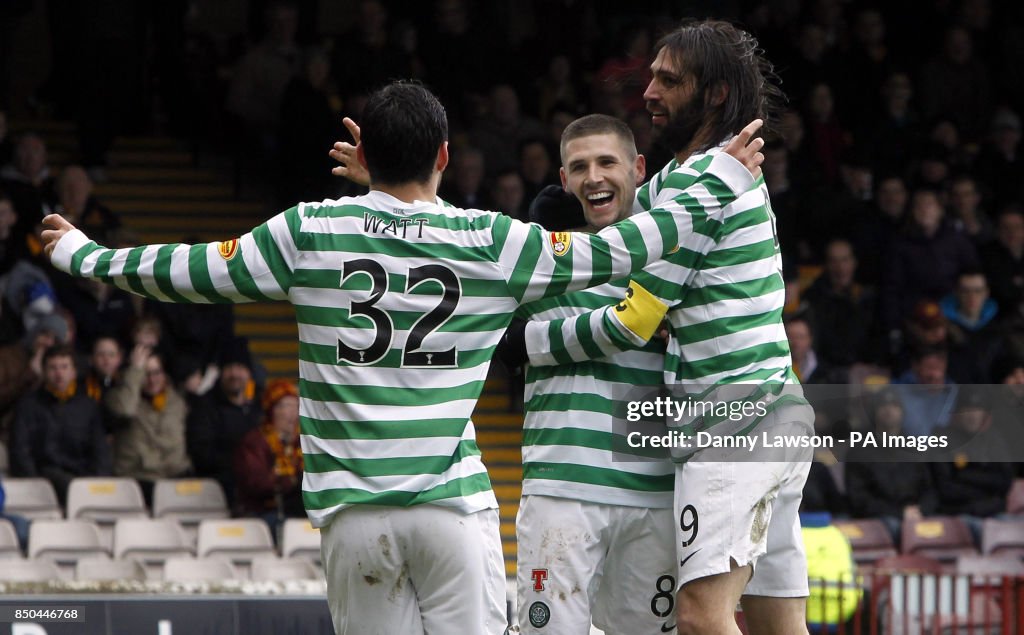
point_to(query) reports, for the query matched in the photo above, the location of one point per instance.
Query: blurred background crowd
(896, 175)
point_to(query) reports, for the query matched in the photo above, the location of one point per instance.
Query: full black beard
(682, 126)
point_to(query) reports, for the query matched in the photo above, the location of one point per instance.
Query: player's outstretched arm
(597, 334)
(257, 266)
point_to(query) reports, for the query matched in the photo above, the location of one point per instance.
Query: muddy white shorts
(731, 509)
(422, 570)
(581, 562)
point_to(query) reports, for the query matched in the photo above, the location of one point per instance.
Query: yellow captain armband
(640, 311)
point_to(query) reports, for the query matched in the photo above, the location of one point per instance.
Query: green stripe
(243, 278)
(585, 337)
(558, 402)
(725, 326)
(199, 274)
(557, 342)
(327, 355)
(601, 370)
(398, 248)
(733, 359)
(131, 271)
(402, 320)
(730, 290)
(522, 275)
(162, 273)
(379, 429)
(102, 270)
(740, 255)
(271, 254)
(598, 476)
(388, 395)
(457, 488)
(392, 466)
(634, 242)
(79, 256)
(499, 234)
(593, 439)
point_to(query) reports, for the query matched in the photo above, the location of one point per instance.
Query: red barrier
(940, 601)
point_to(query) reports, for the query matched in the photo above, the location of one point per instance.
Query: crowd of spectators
(896, 175)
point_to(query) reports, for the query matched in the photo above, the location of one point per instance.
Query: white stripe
(180, 278)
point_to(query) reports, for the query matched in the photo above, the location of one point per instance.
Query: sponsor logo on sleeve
(560, 242)
(228, 248)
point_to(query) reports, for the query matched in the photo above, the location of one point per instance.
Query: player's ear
(640, 165)
(565, 181)
(442, 157)
(718, 93)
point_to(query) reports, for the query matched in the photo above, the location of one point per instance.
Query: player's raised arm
(541, 264)
(257, 266)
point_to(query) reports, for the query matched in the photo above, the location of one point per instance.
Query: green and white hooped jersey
(570, 445)
(399, 308)
(725, 291)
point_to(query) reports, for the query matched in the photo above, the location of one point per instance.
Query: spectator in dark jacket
(975, 481)
(924, 262)
(268, 463)
(1003, 260)
(843, 309)
(58, 432)
(216, 425)
(871, 489)
(874, 234)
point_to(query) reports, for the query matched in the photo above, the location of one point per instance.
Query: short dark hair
(716, 52)
(595, 125)
(403, 125)
(58, 350)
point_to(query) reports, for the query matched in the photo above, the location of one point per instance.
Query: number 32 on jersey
(413, 355)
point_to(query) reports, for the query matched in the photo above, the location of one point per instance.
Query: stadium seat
(300, 540)
(990, 566)
(65, 542)
(103, 501)
(1002, 537)
(1015, 498)
(150, 543)
(189, 501)
(870, 540)
(20, 570)
(32, 498)
(198, 570)
(274, 569)
(239, 540)
(940, 537)
(103, 569)
(9, 547)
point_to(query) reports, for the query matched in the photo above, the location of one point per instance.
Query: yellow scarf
(158, 401)
(287, 458)
(64, 395)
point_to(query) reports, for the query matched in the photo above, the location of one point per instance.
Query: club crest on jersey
(540, 614)
(560, 242)
(228, 248)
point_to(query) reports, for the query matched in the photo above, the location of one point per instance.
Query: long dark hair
(715, 53)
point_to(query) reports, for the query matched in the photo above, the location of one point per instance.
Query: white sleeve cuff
(731, 172)
(66, 247)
